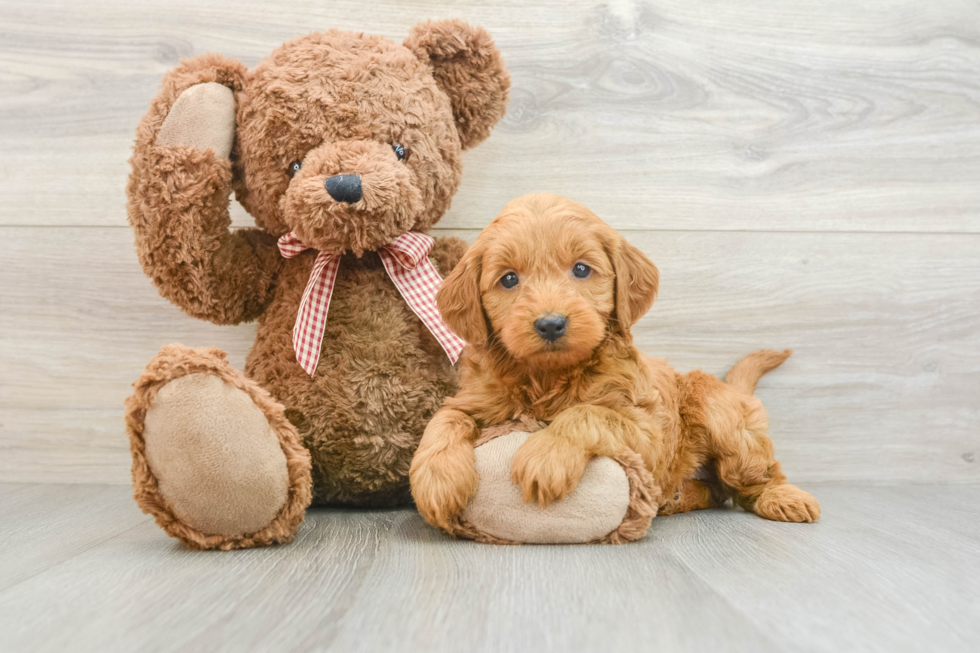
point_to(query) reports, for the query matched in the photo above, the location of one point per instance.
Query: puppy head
(548, 282)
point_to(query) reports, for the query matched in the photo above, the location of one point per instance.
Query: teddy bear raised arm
(345, 148)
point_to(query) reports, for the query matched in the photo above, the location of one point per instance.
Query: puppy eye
(581, 270)
(401, 152)
(294, 168)
(509, 280)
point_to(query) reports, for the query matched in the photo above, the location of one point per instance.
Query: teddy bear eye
(581, 270)
(401, 152)
(509, 280)
(294, 168)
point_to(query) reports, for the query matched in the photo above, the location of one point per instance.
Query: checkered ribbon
(408, 265)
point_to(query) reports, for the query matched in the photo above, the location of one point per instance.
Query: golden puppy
(546, 298)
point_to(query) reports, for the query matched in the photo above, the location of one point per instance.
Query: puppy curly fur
(703, 440)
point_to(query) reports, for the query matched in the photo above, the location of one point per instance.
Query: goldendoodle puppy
(546, 298)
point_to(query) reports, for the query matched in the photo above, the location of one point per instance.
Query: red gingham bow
(408, 265)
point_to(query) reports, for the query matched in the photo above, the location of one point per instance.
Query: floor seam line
(55, 565)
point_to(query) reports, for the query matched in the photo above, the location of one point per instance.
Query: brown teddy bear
(345, 148)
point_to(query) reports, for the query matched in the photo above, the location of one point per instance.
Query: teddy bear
(345, 148)
(614, 502)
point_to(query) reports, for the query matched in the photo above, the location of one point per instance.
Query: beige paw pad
(203, 117)
(611, 503)
(216, 459)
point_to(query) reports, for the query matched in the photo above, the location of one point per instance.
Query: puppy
(545, 299)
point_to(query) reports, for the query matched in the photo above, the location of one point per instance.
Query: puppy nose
(344, 188)
(551, 327)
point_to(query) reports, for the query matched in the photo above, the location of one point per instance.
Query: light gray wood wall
(805, 174)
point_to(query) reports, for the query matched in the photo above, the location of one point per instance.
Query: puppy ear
(467, 66)
(637, 280)
(460, 301)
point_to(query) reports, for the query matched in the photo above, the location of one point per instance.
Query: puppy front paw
(442, 483)
(547, 468)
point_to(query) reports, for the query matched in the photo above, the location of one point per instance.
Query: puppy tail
(746, 373)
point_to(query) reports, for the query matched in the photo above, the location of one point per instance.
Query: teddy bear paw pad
(216, 459)
(594, 509)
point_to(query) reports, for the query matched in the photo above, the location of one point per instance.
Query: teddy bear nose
(344, 188)
(551, 327)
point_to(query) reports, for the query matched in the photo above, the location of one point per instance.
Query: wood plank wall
(805, 174)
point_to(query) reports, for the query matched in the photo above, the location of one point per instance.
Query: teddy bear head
(350, 140)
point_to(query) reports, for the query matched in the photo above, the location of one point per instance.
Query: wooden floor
(886, 569)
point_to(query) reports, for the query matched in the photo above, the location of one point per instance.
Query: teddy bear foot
(215, 461)
(614, 502)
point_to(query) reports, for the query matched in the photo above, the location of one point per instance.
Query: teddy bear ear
(468, 67)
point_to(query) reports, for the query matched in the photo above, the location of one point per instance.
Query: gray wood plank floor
(886, 569)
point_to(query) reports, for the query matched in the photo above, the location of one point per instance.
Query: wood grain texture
(886, 569)
(43, 526)
(733, 115)
(805, 174)
(883, 385)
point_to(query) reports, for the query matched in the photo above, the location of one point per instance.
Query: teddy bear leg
(215, 460)
(614, 501)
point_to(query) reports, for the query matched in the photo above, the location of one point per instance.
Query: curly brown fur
(468, 67)
(380, 379)
(175, 361)
(336, 102)
(178, 206)
(644, 499)
(599, 395)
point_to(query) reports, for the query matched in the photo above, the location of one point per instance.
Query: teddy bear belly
(380, 377)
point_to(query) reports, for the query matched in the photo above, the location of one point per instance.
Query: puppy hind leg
(759, 484)
(735, 426)
(693, 494)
